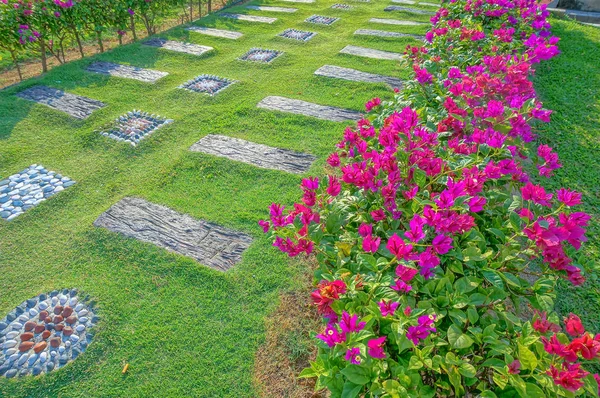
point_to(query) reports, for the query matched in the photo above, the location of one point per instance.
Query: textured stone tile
(341, 6)
(272, 9)
(371, 53)
(208, 84)
(295, 34)
(126, 71)
(321, 20)
(28, 188)
(134, 126)
(32, 344)
(74, 105)
(299, 1)
(423, 3)
(408, 9)
(410, 2)
(261, 55)
(248, 18)
(299, 107)
(258, 155)
(385, 33)
(338, 72)
(227, 34)
(396, 22)
(209, 244)
(178, 46)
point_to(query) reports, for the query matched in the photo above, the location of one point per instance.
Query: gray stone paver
(299, 1)
(178, 46)
(74, 105)
(408, 9)
(387, 21)
(371, 53)
(226, 34)
(385, 33)
(338, 72)
(215, 246)
(299, 107)
(126, 71)
(248, 18)
(295, 34)
(255, 154)
(272, 9)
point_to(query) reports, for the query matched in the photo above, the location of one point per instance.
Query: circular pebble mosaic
(45, 333)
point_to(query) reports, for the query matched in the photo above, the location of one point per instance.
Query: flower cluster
(433, 208)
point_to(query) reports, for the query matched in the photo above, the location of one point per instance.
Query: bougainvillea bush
(439, 253)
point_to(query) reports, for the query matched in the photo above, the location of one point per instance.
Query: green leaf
(307, 372)
(351, 390)
(458, 339)
(493, 277)
(467, 370)
(357, 374)
(534, 391)
(546, 302)
(528, 359)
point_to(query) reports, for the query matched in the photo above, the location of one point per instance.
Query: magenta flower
(370, 244)
(376, 347)
(331, 336)
(422, 330)
(130, 11)
(388, 307)
(264, 225)
(568, 198)
(365, 230)
(398, 247)
(350, 324)
(442, 244)
(514, 367)
(353, 356)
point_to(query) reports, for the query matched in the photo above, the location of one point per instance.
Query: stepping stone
(210, 244)
(28, 188)
(207, 84)
(178, 46)
(227, 34)
(341, 6)
(396, 22)
(407, 9)
(410, 2)
(295, 34)
(249, 18)
(371, 53)
(257, 155)
(338, 72)
(385, 33)
(321, 20)
(126, 71)
(422, 3)
(299, 1)
(260, 55)
(272, 9)
(74, 105)
(134, 126)
(299, 107)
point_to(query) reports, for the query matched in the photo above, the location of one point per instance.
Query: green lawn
(185, 329)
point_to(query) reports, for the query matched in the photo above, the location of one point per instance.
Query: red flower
(574, 325)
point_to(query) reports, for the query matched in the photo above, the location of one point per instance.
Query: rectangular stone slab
(385, 33)
(272, 9)
(178, 46)
(249, 18)
(74, 105)
(404, 2)
(338, 72)
(422, 3)
(209, 244)
(257, 155)
(371, 53)
(299, 107)
(227, 34)
(395, 22)
(126, 71)
(299, 1)
(407, 9)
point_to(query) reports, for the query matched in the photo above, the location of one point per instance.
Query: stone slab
(226, 34)
(248, 18)
(178, 46)
(385, 33)
(410, 2)
(257, 155)
(210, 244)
(74, 105)
(28, 188)
(272, 9)
(134, 126)
(396, 22)
(371, 53)
(299, 107)
(126, 71)
(299, 1)
(424, 3)
(408, 9)
(338, 72)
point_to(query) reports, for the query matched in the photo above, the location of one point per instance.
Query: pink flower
(442, 244)
(376, 347)
(398, 248)
(388, 307)
(422, 330)
(476, 204)
(422, 75)
(350, 324)
(265, 225)
(333, 160)
(568, 198)
(353, 356)
(370, 244)
(372, 104)
(378, 215)
(536, 194)
(331, 336)
(334, 187)
(514, 367)
(574, 326)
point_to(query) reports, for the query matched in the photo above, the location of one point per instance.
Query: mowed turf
(184, 329)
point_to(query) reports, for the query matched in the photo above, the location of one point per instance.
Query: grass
(568, 84)
(184, 329)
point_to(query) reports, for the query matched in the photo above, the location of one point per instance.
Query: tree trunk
(147, 24)
(43, 55)
(209, 6)
(199, 8)
(191, 10)
(78, 39)
(62, 50)
(132, 22)
(99, 38)
(120, 40)
(14, 58)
